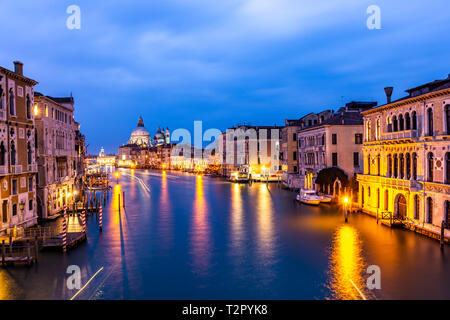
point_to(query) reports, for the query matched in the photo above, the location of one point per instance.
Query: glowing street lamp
(22, 207)
(117, 175)
(345, 207)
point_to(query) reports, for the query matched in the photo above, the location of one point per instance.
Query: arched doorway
(401, 207)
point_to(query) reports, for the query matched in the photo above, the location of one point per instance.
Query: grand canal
(187, 237)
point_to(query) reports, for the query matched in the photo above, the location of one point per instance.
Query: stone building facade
(407, 158)
(335, 141)
(57, 154)
(17, 149)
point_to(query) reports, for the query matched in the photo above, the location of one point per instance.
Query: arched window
(414, 166)
(368, 164)
(430, 121)
(386, 200)
(378, 165)
(395, 166)
(401, 123)
(389, 124)
(2, 154)
(408, 166)
(389, 166)
(414, 120)
(12, 108)
(416, 207)
(430, 161)
(378, 198)
(447, 168)
(407, 121)
(1, 97)
(447, 214)
(395, 123)
(447, 118)
(28, 107)
(29, 153)
(13, 154)
(378, 130)
(402, 167)
(429, 210)
(369, 131)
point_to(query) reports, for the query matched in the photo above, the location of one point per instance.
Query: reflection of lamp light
(69, 194)
(75, 192)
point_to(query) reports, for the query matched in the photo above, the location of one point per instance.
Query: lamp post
(117, 175)
(345, 208)
(21, 207)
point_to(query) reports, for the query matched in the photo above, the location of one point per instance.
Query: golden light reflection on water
(265, 223)
(165, 218)
(7, 285)
(346, 265)
(200, 232)
(237, 231)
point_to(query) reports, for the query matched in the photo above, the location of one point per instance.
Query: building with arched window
(17, 149)
(414, 178)
(58, 161)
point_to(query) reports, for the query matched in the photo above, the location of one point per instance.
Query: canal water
(186, 237)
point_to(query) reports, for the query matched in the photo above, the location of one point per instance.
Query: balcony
(411, 135)
(17, 169)
(32, 167)
(3, 170)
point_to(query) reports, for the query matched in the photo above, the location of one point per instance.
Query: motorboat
(325, 198)
(309, 197)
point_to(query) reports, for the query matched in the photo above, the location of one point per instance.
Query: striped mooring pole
(100, 219)
(83, 220)
(64, 235)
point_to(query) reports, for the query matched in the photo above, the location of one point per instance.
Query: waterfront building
(17, 149)
(251, 149)
(128, 155)
(142, 152)
(335, 141)
(407, 158)
(289, 156)
(105, 160)
(56, 156)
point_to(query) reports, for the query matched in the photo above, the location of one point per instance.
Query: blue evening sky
(220, 61)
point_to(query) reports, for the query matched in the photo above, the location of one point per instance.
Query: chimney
(18, 67)
(388, 91)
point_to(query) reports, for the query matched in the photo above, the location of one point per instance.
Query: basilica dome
(140, 135)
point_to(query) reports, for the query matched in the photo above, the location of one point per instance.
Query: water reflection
(346, 265)
(165, 234)
(200, 231)
(265, 226)
(237, 230)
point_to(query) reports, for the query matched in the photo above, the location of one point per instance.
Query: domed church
(161, 137)
(140, 136)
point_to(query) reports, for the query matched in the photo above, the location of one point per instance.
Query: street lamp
(22, 207)
(345, 206)
(117, 175)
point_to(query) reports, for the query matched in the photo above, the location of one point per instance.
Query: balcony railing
(17, 169)
(405, 134)
(3, 169)
(32, 167)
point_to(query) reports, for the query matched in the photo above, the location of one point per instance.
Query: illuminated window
(46, 110)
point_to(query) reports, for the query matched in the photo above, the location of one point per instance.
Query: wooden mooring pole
(3, 252)
(442, 234)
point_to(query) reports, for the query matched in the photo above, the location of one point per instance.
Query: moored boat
(308, 197)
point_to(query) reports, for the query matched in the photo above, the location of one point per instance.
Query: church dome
(140, 135)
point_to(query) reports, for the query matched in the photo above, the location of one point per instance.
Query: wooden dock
(73, 239)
